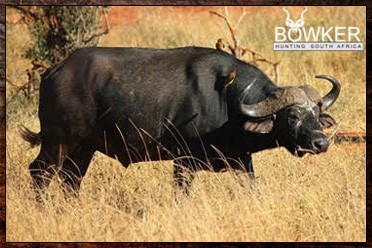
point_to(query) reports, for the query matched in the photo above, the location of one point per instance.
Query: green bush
(58, 30)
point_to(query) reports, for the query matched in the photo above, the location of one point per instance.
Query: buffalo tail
(33, 138)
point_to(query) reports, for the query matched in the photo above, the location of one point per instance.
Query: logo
(294, 25)
(296, 36)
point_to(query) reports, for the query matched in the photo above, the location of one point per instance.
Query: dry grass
(311, 199)
(316, 198)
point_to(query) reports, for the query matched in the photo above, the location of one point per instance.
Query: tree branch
(232, 30)
(101, 32)
(239, 51)
(26, 11)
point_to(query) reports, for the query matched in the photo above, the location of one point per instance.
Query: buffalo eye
(293, 118)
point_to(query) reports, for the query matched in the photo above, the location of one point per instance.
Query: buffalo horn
(282, 98)
(331, 97)
(311, 93)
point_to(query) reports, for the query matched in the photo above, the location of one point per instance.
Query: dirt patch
(122, 15)
(119, 15)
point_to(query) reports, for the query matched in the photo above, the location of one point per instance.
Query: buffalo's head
(294, 115)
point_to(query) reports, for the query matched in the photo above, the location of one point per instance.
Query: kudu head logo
(294, 25)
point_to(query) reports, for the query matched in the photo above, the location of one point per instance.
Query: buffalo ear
(260, 126)
(326, 120)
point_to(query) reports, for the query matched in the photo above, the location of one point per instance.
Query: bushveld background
(316, 198)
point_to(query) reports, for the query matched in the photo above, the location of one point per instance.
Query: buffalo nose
(320, 145)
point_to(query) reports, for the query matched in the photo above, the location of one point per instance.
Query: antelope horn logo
(294, 25)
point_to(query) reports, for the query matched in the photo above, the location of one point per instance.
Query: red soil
(129, 14)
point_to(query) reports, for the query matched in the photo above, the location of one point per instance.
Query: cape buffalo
(201, 107)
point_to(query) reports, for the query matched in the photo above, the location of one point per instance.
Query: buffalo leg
(183, 178)
(74, 169)
(245, 165)
(248, 166)
(242, 167)
(43, 168)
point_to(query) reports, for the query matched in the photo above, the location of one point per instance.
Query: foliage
(56, 32)
(59, 30)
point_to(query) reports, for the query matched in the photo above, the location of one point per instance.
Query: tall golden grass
(316, 198)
